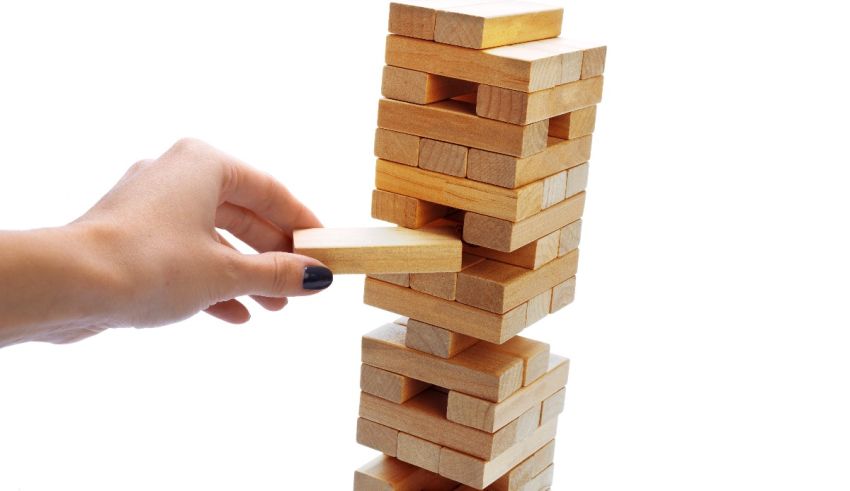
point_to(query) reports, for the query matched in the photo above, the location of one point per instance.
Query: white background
(709, 338)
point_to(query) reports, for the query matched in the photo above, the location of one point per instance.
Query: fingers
(259, 233)
(230, 311)
(273, 304)
(279, 274)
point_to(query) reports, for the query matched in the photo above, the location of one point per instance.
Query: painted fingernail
(317, 278)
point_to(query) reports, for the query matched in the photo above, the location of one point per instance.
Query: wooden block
(554, 189)
(405, 211)
(513, 106)
(382, 438)
(563, 295)
(449, 315)
(480, 371)
(576, 179)
(531, 256)
(575, 124)
(456, 192)
(386, 473)
(388, 385)
(527, 67)
(479, 473)
(534, 356)
(553, 406)
(539, 307)
(507, 236)
(512, 172)
(455, 122)
(396, 146)
(420, 87)
(593, 61)
(381, 249)
(442, 157)
(570, 236)
(492, 24)
(436, 340)
(400, 279)
(419, 452)
(525, 472)
(424, 417)
(417, 18)
(542, 481)
(489, 416)
(498, 287)
(441, 285)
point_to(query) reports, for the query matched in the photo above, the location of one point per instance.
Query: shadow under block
(456, 122)
(480, 371)
(455, 192)
(518, 477)
(405, 211)
(449, 315)
(492, 24)
(498, 287)
(443, 285)
(526, 67)
(388, 385)
(396, 146)
(506, 236)
(512, 106)
(513, 172)
(479, 474)
(386, 473)
(488, 416)
(442, 157)
(436, 340)
(379, 437)
(530, 256)
(419, 452)
(421, 88)
(575, 124)
(381, 249)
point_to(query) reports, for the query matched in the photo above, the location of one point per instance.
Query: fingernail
(317, 278)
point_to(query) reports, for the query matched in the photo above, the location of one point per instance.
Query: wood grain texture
(442, 157)
(417, 18)
(542, 481)
(512, 172)
(379, 437)
(518, 477)
(396, 146)
(554, 189)
(534, 356)
(593, 61)
(443, 285)
(488, 416)
(449, 315)
(531, 256)
(538, 307)
(507, 236)
(400, 279)
(569, 239)
(574, 124)
(405, 211)
(455, 122)
(563, 294)
(576, 179)
(524, 108)
(418, 87)
(528, 67)
(455, 192)
(492, 24)
(480, 371)
(553, 406)
(388, 385)
(381, 249)
(419, 452)
(386, 473)
(435, 340)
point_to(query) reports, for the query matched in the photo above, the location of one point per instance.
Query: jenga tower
(484, 133)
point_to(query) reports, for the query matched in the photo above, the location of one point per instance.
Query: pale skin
(149, 253)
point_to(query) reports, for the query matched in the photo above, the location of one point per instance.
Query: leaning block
(492, 24)
(389, 474)
(419, 452)
(388, 385)
(381, 249)
(436, 340)
(531, 256)
(575, 124)
(521, 475)
(405, 211)
(517, 107)
(379, 437)
(396, 146)
(421, 88)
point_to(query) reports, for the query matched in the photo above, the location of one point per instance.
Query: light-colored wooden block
(531, 256)
(449, 315)
(492, 24)
(381, 249)
(456, 192)
(534, 356)
(400, 279)
(388, 385)
(420, 87)
(436, 340)
(488, 416)
(593, 61)
(442, 157)
(417, 18)
(382, 438)
(570, 236)
(419, 452)
(507, 236)
(405, 211)
(455, 122)
(479, 473)
(539, 307)
(542, 481)
(575, 124)
(576, 179)
(513, 106)
(528, 67)
(498, 287)
(554, 189)
(443, 285)
(397, 147)
(386, 473)
(512, 172)
(519, 476)
(424, 417)
(563, 295)
(553, 406)
(480, 371)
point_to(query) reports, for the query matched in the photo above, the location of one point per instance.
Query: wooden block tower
(484, 132)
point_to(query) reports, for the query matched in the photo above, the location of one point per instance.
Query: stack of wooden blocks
(484, 131)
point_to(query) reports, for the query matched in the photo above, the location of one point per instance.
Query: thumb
(281, 274)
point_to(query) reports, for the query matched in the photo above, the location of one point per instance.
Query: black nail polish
(317, 278)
